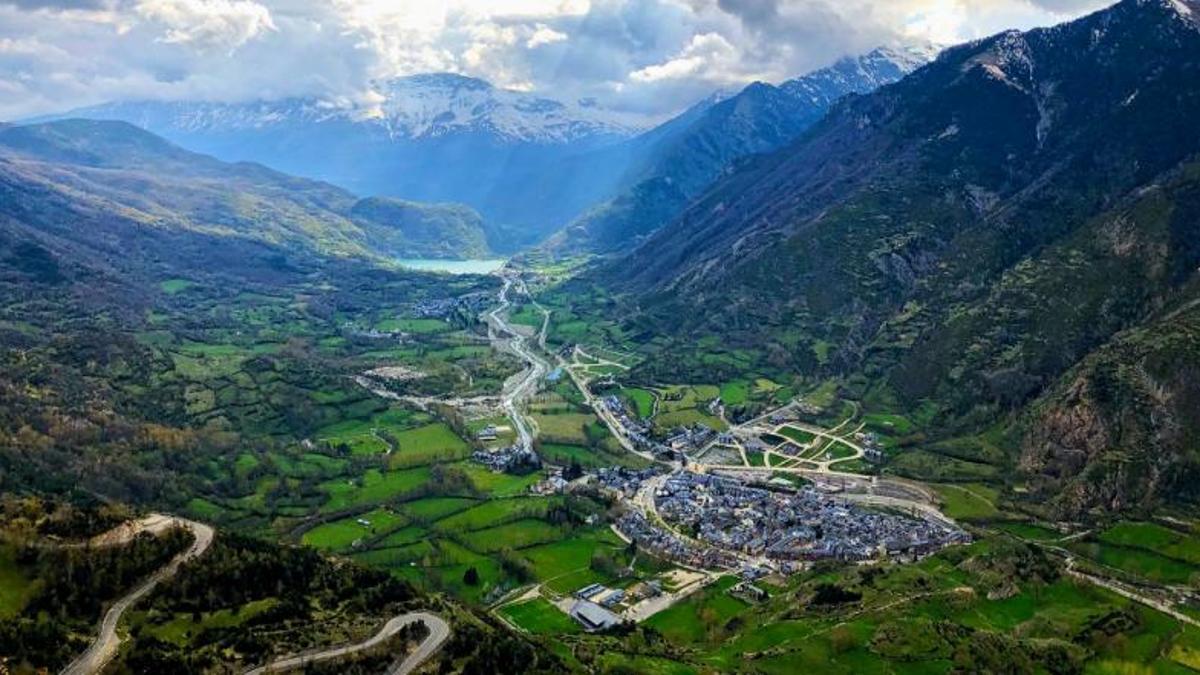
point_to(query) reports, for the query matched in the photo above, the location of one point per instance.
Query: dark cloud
(756, 13)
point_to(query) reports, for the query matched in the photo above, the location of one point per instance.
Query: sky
(650, 56)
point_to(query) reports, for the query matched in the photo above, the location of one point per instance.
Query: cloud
(654, 56)
(208, 24)
(544, 35)
(57, 4)
(703, 56)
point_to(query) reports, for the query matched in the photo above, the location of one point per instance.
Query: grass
(568, 429)
(516, 535)
(556, 453)
(373, 488)
(968, 502)
(430, 509)
(641, 400)
(735, 393)
(414, 326)
(1143, 563)
(799, 435)
(370, 436)
(497, 484)
(1029, 531)
(539, 617)
(891, 425)
(686, 621)
(837, 450)
(341, 534)
(426, 445)
(14, 587)
(175, 286)
(1154, 538)
(496, 512)
(565, 565)
(405, 536)
(180, 629)
(688, 417)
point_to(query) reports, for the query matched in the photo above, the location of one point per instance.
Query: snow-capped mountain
(679, 159)
(407, 108)
(859, 74)
(513, 156)
(436, 105)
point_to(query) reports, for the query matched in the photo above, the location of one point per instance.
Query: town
(788, 526)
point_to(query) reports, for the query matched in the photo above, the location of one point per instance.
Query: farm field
(373, 487)
(539, 616)
(340, 535)
(641, 400)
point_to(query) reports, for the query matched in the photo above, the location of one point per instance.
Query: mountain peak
(1185, 11)
(1184, 8)
(442, 81)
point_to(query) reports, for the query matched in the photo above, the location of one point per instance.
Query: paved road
(105, 646)
(524, 385)
(439, 631)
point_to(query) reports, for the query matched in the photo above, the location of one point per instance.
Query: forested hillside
(968, 235)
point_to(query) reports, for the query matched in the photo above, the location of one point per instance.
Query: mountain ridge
(967, 236)
(689, 152)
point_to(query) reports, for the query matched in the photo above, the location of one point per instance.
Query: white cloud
(544, 35)
(648, 55)
(699, 58)
(207, 24)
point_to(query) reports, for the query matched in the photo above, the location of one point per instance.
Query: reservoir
(453, 266)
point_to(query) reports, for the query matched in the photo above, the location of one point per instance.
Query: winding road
(439, 631)
(106, 644)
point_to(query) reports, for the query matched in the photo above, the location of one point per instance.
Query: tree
(471, 577)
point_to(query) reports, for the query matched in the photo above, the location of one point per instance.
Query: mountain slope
(132, 188)
(680, 159)
(969, 234)
(422, 230)
(429, 138)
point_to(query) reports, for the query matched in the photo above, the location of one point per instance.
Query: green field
(341, 534)
(689, 621)
(556, 453)
(688, 418)
(435, 508)
(641, 400)
(968, 502)
(1154, 538)
(735, 393)
(567, 428)
(799, 435)
(565, 565)
(414, 326)
(374, 487)
(496, 512)
(1029, 531)
(426, 445)
(1143, 563)
(540, 617)
(497, 484)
